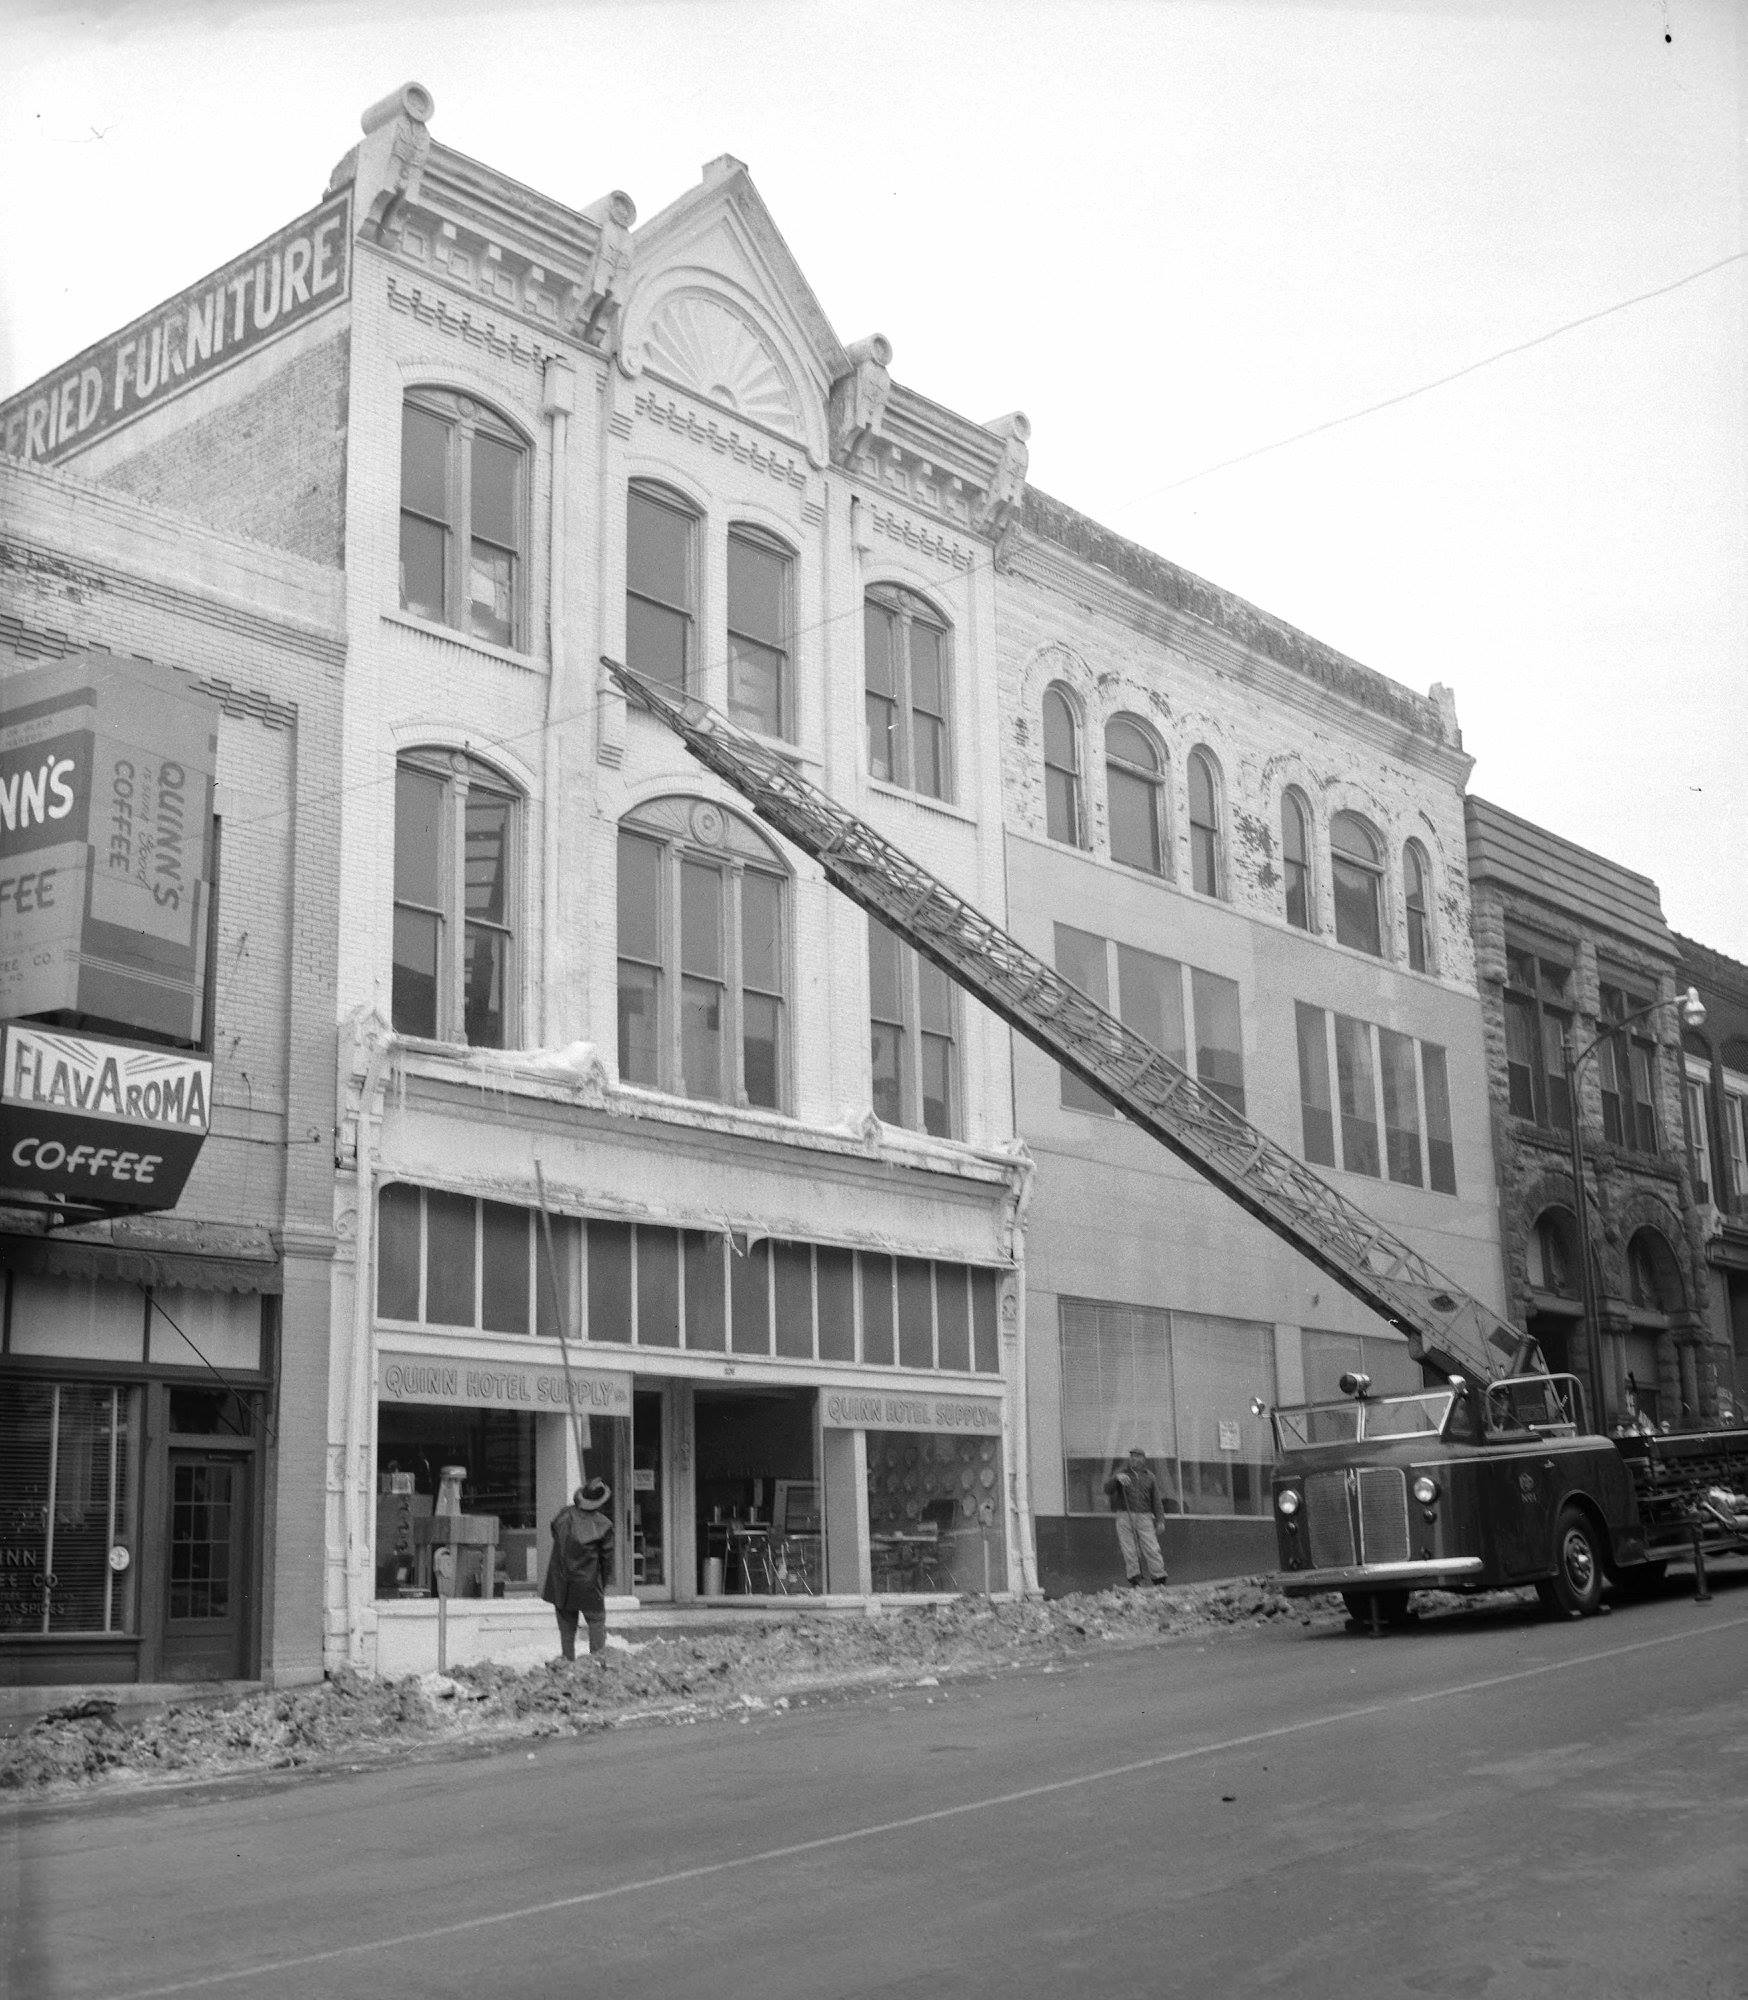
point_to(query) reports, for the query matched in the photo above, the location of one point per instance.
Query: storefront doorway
(651, 1553)
(205, 1621)
(755, 1495)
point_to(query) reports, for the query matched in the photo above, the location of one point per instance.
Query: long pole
(1581, 1211)
(558, 1315)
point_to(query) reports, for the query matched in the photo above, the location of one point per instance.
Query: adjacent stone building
(1571, 950)
(1715, 1055)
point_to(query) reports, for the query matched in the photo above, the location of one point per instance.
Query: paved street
(1497, 1805)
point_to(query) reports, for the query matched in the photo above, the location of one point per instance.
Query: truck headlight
(1425, 1490)
(1287, 1500)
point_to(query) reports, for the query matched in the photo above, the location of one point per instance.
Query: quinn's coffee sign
(99, 1121)
(106, 775)
(264, 294)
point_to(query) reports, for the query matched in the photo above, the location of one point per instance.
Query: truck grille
(1383, 1517)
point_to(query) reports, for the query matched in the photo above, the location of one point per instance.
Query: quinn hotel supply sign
(258, 297)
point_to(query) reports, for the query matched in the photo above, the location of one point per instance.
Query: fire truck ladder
(1448, 1330)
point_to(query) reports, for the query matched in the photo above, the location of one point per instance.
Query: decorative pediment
(703, 343)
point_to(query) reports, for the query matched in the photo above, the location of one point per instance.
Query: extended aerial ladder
(1448, 1330)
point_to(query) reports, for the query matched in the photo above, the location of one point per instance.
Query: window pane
(837, 1322)
(1359, 1116)
(1201, 776)
(424, 463)
(640, 899)
(1080, 958)
(1204, 860)
(986, 1348)
(1062, 806)
(937, 1059)
(1554, 1070)
(1150, 1000)
(761, 936)
(1134, 819)
(794, 1288)
(916, 1318)
(658, 1287)
(876, 1308)
(1294, 844)
(1219, 1039)
(1060, 748)
(503, 1268)
(750, 1296)
(1401, 1107)
(495, 468)
(879, 627)
(1349, 835)
(657, 642)
(487, 855)
(1117, 1392)
(882, 718)
(639, 1040)
(755, 686)
(1356, 906)
(413, 994)
(491, 594)
(928, 749)
(935, 991)
(885, 962)
(610, 1281)
(483, 990)
(419, 842)
(449, 1227)
(1220, 1366)
(928, 678)
(397, 1252)
(1440, 1154)
(706, 1313)
(758, 592)
(658, 550)
(887, 1051)
(424, 551)
(701, 919)
(1124, 739)
(1316, 1113)
(761, 1023)
(1298, 881)
(1644, 1135)
(1521, 1054)
(953, 1306)
(701, 1037)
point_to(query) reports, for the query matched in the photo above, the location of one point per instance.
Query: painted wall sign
(99, 1121)
(886, 1410)
(497, 1385)
(106, 776)
(269, 291)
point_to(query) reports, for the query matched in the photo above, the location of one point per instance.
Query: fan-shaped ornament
(705, 345)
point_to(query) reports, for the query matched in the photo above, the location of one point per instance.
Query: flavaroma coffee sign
(106, 776)
(98, 1121)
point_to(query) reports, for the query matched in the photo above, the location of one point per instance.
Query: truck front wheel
(1575, 1588)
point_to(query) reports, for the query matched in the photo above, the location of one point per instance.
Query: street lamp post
(1693, 1014)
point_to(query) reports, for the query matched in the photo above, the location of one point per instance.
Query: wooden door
(207, 1549)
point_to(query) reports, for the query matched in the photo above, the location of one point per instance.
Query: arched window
(661, 587)
(1065, 820)
(464, 516)
(1652, 1274)
(761, 692)
(1206, 872)
(455, 901)
(1135, 796)
(907, 669)
(1296, 858)
(703, 955)
(1357, 875)
(1417, 896)
(1551, 1253)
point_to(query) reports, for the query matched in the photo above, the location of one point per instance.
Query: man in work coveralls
(1140, 1510)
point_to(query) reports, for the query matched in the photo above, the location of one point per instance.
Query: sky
(1421, 324)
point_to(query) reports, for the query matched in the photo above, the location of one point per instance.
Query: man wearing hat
(576, 1574)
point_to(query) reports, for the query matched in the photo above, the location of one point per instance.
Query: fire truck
(1490, 1477)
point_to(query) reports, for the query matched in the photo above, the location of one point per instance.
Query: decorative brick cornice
(679, 417)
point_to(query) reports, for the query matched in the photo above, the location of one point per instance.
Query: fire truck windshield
(1316, 1424)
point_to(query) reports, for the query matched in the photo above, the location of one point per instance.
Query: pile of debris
(770, 1664)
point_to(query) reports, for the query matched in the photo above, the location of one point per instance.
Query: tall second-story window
(913, 1040)
(454, 900)
(1538, 1012)
(1135, 796)
(1206, 873)
(464, 511)
(1296, 859)
(1064, 818)
(1357, 875)
(1626, 1066)
(761, 693)
(703, 955)
(907, 670)
(661, 587)
(1417, 896)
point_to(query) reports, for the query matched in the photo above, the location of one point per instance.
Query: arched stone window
(1135, 796)
(703, 955)
(1652, 1274)
(1417, 900)
(1064, 800)
(1296, 857)
(1207, 855)
(1551, 1253)
(1357, 875)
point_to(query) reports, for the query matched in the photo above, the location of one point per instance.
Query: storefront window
(935, 1513)
(495, 1526)
(67, 1478)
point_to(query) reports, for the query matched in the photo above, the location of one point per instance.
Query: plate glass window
(463, 517)
(1357, 875)
(760, 582)
(907, 667)
(1063, 818)
(1135, 795)
(661, 587)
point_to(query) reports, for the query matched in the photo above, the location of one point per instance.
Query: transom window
(1417, 894)
(907, 669)
(1538, 1013)
(760, 624)
(1357, 875)
(1296, 859)
(703, 955)
(1135, 796)
(454, 900)
(661, 587)
(1063, 817)
(912, 1011)
(463, 516)
(1205, 869)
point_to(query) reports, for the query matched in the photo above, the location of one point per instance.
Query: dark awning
(67, 1257)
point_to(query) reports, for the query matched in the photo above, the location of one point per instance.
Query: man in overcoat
(577, 1570)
